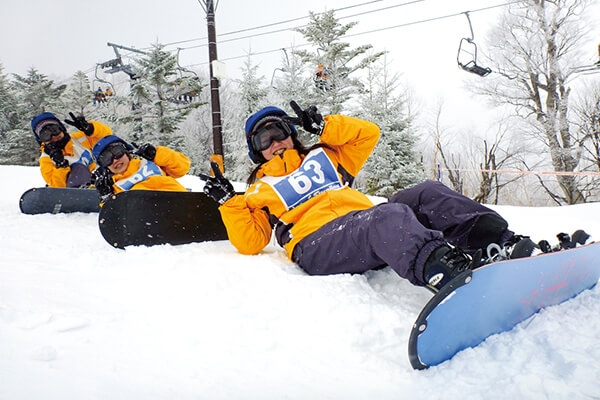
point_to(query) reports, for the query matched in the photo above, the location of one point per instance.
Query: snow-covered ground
(82, 320)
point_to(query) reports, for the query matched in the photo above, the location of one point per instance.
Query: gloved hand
(56, 155)
(146, 150)
(81, 124)
(309, 119)
(218, 188)
(103, 181)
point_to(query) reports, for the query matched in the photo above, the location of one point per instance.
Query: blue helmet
(42, 120)
(255, 121)
(105, 141)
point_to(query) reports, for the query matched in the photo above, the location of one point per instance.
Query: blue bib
(315, 175)
(146, 170)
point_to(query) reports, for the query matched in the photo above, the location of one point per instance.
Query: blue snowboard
(495, 298)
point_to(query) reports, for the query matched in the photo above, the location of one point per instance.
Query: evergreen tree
(9, 116)
(394, 163)
(35, 94)
(251, 95)
(162, 95)
(290, 83)
(79, 95)
(334, 62)
(253, 91)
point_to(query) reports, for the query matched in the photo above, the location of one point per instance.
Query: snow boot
(445, 263)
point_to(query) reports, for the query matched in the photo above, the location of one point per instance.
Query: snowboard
(148, 217)
(59, 200)
(495, 298)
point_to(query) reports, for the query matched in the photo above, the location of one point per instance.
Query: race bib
(146, 170)
(316, 175)
(81, 155)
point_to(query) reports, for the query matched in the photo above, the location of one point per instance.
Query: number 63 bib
(315, 175)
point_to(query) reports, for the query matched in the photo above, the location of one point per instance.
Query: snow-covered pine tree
(9, 117)
(252, 89)
(394, 163)
(290, 82)
(37, 93)
(333, 62)
(10, 122)
(252, 94)
(34, 93)
(78, 96)
(162, 95)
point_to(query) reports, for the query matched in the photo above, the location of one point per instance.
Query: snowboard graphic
(495, 298)
(59, 200)
(148, 217)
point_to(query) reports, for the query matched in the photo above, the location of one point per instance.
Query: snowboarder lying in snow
(427, 234)
(120, 169)
(66, 159)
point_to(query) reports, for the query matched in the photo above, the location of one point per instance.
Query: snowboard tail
(51, 200)
(145, 217)
(495, 298)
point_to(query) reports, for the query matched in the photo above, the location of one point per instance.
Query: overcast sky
(63, 36)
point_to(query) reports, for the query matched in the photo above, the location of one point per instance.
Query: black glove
(309, 119)
(146, 150)
(81, 124)
(56, 155)
(103, 181)
(218, 188)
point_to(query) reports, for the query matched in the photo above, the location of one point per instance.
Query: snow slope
(81, 320)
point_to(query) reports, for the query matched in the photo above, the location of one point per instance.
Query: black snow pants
(401, 233)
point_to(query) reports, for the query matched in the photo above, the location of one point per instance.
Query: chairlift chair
(468, 48)
(323, 78)
(97, 81)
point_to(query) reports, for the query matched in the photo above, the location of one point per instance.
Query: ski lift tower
(209, 7)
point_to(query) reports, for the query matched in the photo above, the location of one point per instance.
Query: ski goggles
(265, 135)
(49, 131)
(111, 153)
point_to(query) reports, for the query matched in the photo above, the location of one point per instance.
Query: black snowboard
(147, 217)
(59, 200)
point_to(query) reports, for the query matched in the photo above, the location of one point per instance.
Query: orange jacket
(302, 193)
(160, 174)
(77, 150)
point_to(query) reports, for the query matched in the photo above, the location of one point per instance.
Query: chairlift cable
(288, 21)
(367, 32)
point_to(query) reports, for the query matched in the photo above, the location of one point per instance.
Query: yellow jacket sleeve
(248, 230)
(174, 163)
(54, 177)
(100, 130)
(353, 138)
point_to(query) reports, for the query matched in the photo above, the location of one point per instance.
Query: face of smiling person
(119, 165)
(277, 147)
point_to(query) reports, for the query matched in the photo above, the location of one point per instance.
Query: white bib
(315, 175)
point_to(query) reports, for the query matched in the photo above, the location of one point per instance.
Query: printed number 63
(300, 180)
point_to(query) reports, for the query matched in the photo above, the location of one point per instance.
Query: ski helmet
(105, 142)
(258, 119)
(42, 120)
